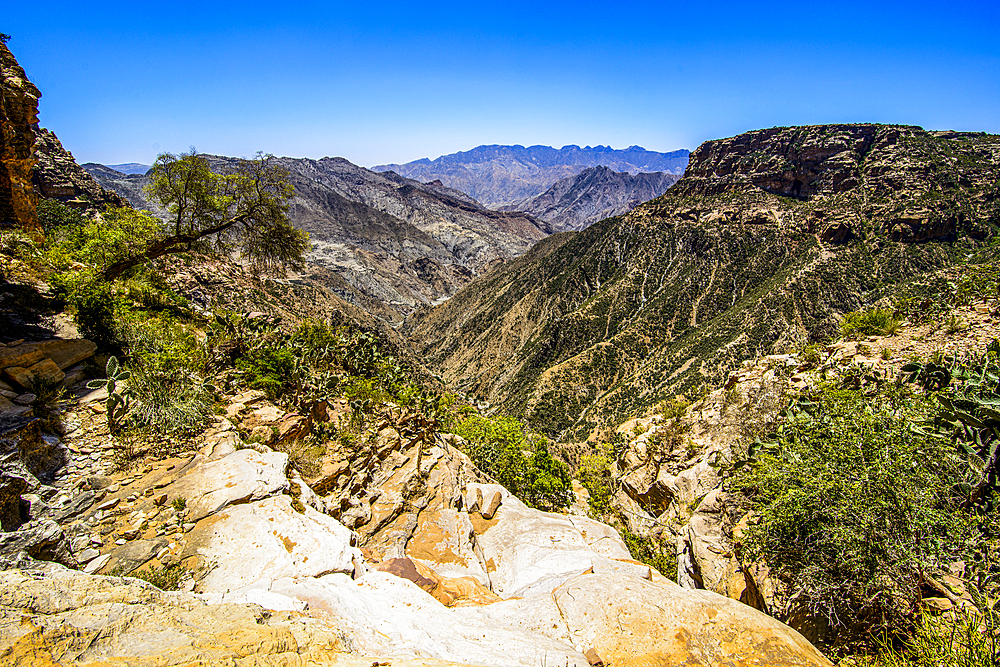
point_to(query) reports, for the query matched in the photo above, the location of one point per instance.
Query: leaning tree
(244, 208)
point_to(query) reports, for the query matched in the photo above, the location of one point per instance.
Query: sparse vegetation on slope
(734, 261)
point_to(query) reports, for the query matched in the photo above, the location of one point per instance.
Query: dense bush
(523, 465)
(855, 505)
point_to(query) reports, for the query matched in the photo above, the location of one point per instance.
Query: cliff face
(18, 118)
(58, 176)
(596, 193)
(499, 175)
(736, 260)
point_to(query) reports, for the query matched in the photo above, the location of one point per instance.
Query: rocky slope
(18, 120)
(395, 244)
(668, 481)
(445, 568)
(758, 249)
(497, 175)
(58, 176)
(127, 186)
(596, 193)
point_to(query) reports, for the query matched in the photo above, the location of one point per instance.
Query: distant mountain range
(596, 193)
(130, 168)
(383, 242)
(501, 175)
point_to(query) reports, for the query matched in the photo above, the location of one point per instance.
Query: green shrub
(594, 473)
(653, 552)
(962, 640)
(121, 233)
(268, 368)
(874, 322)
(501, 449)
(94, 308)
(854, 504)
(53, 214)
(169, 400)
(166, 578)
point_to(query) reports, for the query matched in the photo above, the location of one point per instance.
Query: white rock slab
(245, 475)
(252, 544)
(391, 617)
(528, 551)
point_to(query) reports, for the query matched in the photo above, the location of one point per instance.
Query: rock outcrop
(594, 194)
(57, 176)
(18, 122)
(501, 175)
(441, 567)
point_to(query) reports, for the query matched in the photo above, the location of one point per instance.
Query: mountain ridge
(595, 326)
(596, 193)
(395, 243)
(500, 174)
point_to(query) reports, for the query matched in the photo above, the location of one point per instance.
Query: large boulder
(631, 621)
(42, 540)
(249, 545)
(54, 616)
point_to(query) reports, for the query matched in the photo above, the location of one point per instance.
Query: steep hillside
(395, 243)
(496, 175)
(596, 193)
(127, 186)
(58, 176)
(768, 238)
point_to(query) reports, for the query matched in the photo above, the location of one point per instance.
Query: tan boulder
(630, 621)
(64, 353)
(449, 591)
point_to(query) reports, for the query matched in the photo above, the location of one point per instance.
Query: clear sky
(385, 81)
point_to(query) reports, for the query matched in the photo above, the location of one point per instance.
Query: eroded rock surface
(18, 120)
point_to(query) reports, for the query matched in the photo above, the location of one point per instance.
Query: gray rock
(131, 555)
(32, 506)
(42, 540)
(96, 564)
(87, 555)
(99, 482)
(78, 505)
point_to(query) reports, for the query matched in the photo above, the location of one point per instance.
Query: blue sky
(392, 82)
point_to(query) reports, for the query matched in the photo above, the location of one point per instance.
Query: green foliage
(964, 640)
(594, 473)
(53, 214)
(267, 368)
(179, 503)
(968, 413)
(94, 304)
(652, 552)
(166, 578)
(119, 395)
(121, 233)
(500, 447)
(874, 322)
(245, 210)
(854, 503)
